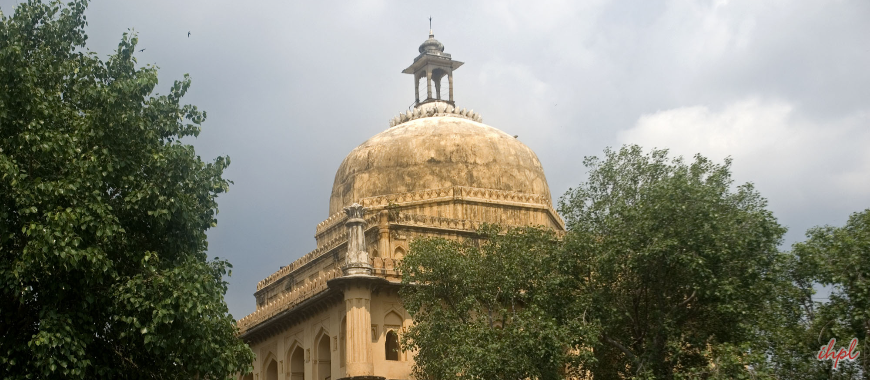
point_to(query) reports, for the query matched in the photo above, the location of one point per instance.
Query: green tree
(679, 264)
(499, 306)
(103, 213)
(840, 258)
(667, 271)
(792, 327)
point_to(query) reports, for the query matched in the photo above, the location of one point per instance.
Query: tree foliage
(667, 271)
(839, 257)
(503, 306)
(678, 264)
(103, 213)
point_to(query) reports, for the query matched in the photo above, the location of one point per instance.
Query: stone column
(357, 259)
(417, 88)
(357, 300)
(450, 83)
(428, 84)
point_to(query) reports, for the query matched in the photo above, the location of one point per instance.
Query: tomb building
(438, 170)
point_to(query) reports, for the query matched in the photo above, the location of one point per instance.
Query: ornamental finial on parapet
(355, 211)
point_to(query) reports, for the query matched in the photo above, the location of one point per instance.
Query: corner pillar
(450, 83)
(428, 84)
(357, 284)
(417, 88)
(357, 300)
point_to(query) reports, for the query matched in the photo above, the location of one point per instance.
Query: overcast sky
(290, 88)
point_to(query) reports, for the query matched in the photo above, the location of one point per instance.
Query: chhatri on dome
(433, 64)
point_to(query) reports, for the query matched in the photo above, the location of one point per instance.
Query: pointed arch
(391, 345)
(323, 358)
(399, 253)
(393, 323)
(270, 367)
(295, 361)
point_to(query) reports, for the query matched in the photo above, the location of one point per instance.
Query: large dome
(435, 152)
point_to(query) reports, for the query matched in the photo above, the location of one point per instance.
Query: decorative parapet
(335, 235)
(428, 221)
(458, 193)
(419, 220)
(337, 238)
(288, 300)
(332, 220)
(435, 109)
(446, 193)
(302, 261)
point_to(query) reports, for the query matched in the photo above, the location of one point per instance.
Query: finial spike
(431, 34)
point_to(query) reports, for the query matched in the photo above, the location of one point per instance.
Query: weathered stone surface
(433, 153)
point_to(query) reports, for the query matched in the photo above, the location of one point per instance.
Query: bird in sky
(188, 34)
(141, 50)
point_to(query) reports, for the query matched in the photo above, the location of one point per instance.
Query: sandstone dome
(435, 147)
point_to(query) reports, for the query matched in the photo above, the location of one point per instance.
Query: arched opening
(437, 74)
(249, 376)
(297, 364)
(272, 370)
(391, 346)
(417, 79)
(342, 342)
(399, 253)
(324, 366)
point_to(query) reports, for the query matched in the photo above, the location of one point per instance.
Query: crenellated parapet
(288, 300)
(435, 109)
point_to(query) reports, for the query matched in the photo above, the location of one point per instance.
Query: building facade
(436, 171)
